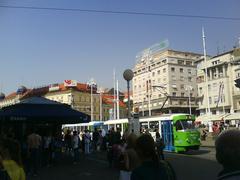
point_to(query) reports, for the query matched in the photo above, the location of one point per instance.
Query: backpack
(169, 171)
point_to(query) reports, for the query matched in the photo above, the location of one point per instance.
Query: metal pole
(101, 118)
(149, 85)
(206, 78)
(118, 111)
(142, 107)
(149, 99)
(129, 107)
(114, 95)
(190, 109)
(91, 102)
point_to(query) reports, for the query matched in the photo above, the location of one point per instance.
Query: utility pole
(118, 113)
(189, 88)
(149, 87)
(206, 74)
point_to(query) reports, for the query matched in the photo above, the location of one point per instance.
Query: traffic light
(237, 82)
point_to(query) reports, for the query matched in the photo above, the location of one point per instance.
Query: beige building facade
(78, 97)
(169, 79)
(218, 93)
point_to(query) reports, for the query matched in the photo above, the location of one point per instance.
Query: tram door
(167, 135)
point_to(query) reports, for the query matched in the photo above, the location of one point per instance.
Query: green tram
(177, 130)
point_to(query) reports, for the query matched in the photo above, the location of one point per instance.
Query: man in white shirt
(76, 144)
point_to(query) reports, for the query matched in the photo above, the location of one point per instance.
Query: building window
(215, 99)
(181, 62)
(174, 94)
(172, 69)
(164, 70)
(158, 71)
(188, 63)
(182, 94)
(174, 78)
(200, 90)
(189, 79)
(189, 71)
(153, 74)
(164, 61)
(182, 86)
(210, 100)
(181, 70)
(209, 87)
(181, 78)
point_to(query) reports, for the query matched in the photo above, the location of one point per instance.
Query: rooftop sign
(158, 47)
(70, 83)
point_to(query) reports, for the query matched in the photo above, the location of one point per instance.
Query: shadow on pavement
(197, 152)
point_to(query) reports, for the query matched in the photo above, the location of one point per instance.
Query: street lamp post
(91, 83)
(189, 88)
(128, 75)
(100, 102)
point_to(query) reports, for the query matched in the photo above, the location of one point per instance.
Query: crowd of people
(138, 157)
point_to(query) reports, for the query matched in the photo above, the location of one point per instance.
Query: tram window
(119, 126)
(153, 126)
(178, 125)
(143, 126)
(183, 125)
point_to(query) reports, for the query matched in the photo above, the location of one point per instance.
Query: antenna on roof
(218, 48)
(224, 48)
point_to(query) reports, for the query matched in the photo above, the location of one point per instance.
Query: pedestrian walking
(34, 145)
(47, 149)
(159, 146)
(95, 139)
(68, 142)
(76, 147)
(87, 141)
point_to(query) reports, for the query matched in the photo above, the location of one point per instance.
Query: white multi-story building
(165, 81)
(219, 94)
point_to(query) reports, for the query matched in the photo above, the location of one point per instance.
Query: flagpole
(114, 94)
(117, 102)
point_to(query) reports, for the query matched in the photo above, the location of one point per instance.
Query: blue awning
(39, 109)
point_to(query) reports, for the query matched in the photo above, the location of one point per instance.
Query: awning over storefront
(234, 116)
(211, 118)
(42, 110)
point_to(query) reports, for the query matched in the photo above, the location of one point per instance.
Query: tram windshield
(184, 125)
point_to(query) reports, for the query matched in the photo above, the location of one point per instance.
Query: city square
(119, 90)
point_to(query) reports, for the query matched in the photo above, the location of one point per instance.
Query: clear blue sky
(40, 47)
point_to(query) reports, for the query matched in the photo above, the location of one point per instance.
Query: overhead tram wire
(121, 12)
